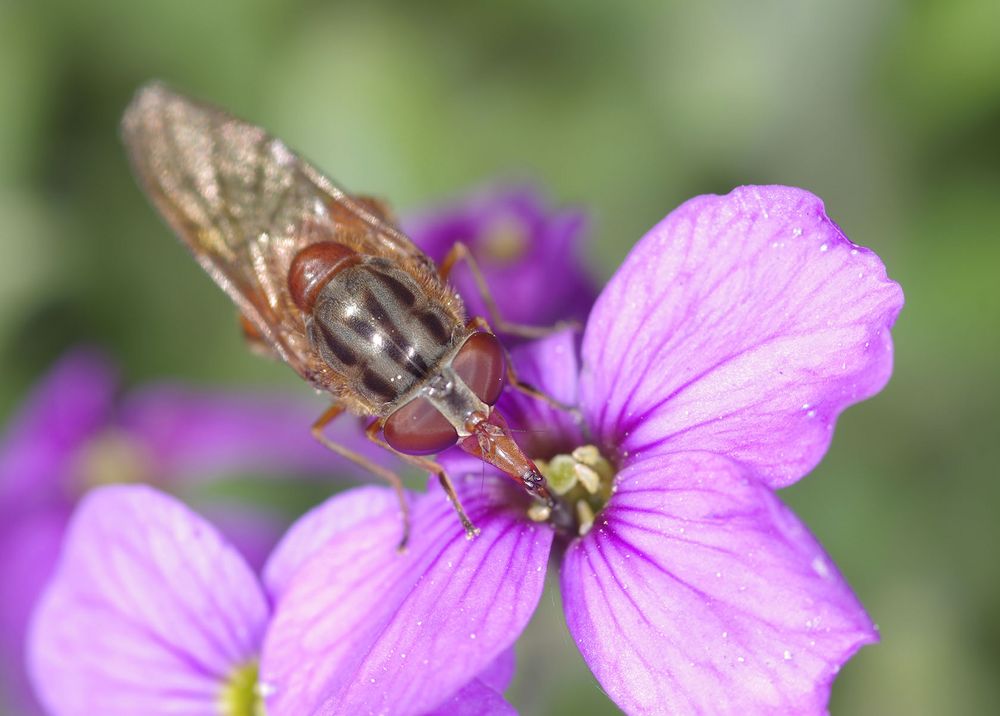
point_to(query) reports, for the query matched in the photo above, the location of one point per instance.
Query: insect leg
(388, 475)
(428, 465)
(516, 383)
(461, 252)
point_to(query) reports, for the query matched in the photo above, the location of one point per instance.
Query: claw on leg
(461, 252)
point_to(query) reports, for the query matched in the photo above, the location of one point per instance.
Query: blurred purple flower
(714, 365)
(74, 434)
(530, 255)
(151, 611)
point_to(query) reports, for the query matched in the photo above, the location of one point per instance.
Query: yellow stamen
(560, 473)
(585, 515)
(111, 457)
(582, 481)
(505, 241)
(587, 477)
(538, 512)
(240, 694)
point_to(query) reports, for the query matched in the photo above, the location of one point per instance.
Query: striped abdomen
(376, 326)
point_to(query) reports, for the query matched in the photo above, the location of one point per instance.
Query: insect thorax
(376, 326)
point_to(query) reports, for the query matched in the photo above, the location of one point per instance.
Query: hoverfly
(324, 281)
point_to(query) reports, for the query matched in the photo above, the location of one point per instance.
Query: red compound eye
(480, 364)
(419, 429)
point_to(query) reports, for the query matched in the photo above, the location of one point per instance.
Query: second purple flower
(520, 244)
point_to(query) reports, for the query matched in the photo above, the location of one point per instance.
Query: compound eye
(419, 429)
(480, 364)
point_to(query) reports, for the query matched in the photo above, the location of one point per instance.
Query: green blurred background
(890, 111)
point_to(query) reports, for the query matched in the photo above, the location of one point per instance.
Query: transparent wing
(245, 205)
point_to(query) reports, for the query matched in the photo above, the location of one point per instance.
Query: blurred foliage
(889, 111)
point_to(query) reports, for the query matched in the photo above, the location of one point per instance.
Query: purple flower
(519, 243)
(73, 434)
(151, 611)
(361, 628)
(712, 369)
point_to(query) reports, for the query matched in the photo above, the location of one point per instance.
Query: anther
(581, 484)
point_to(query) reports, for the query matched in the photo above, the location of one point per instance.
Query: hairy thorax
(376, 326)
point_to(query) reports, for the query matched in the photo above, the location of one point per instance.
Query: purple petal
(149, 611)
(362, 628)
(29, 547)
(484, 694)
(475, 699)
(191, 434)
(312, 532)
(699, 592)
(742, 325)
(500, 673)
(252, 530)
(541, 282)
(66, 407)
(551, 365)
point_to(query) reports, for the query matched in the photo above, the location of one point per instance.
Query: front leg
(427, 465)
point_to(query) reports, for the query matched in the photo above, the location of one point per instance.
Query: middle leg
(461, 252)
(389, 476)
(516, 383)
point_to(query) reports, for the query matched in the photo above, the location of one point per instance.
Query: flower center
(505, 241)
(111, 457)
(582, 482)
(240, 695)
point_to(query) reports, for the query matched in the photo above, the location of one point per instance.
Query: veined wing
(245, 205)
